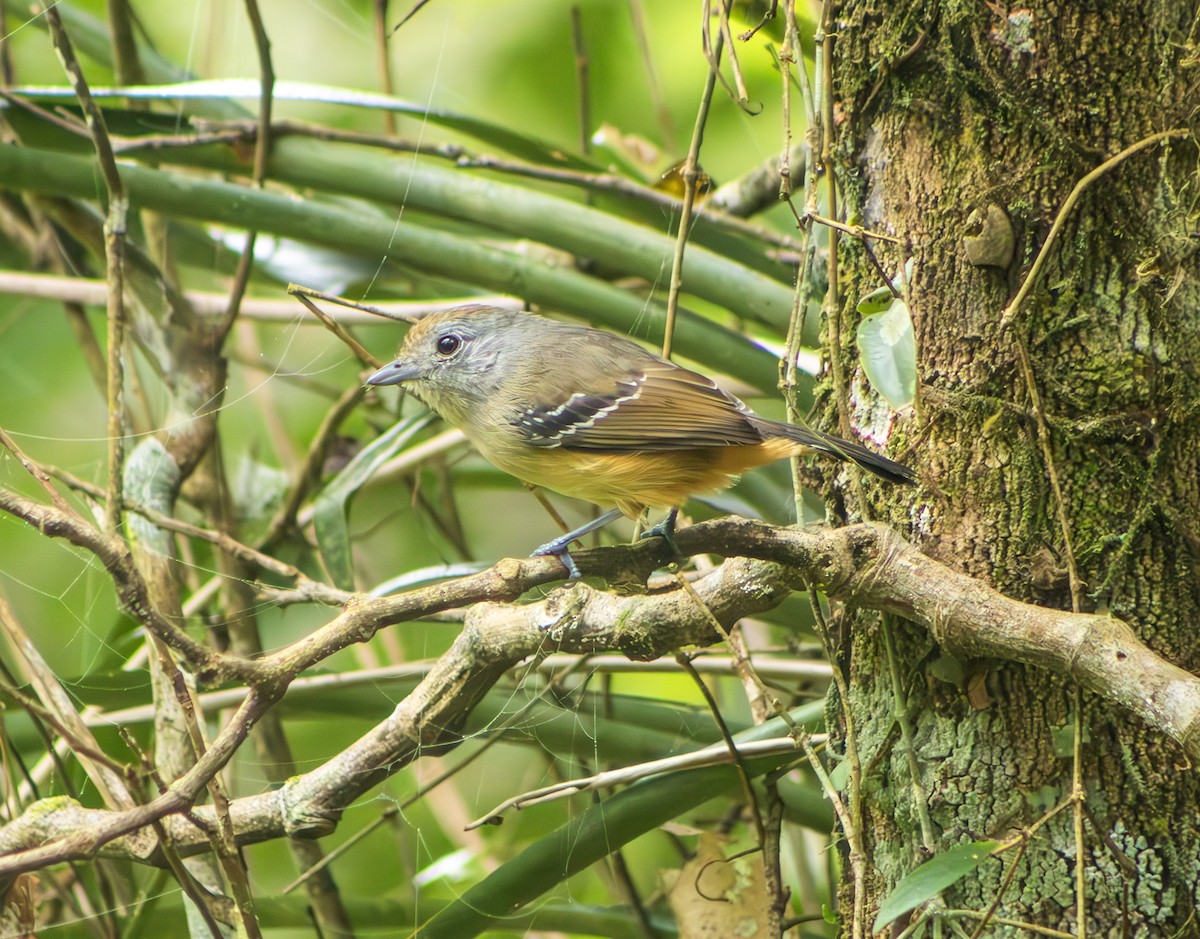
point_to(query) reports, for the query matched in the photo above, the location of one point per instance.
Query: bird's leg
(666, 530)
(560, 546)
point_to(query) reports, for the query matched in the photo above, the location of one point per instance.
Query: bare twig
(714, 709)
(383, 62)
(661, 112)
(262, 150)
(1035, 272)
(908, 738)
(114, 252)
(582, 65)
(716, 755)
(359, 350)
(690, 174)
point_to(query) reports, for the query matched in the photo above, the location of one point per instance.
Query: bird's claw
(561, 549)
(665, 530)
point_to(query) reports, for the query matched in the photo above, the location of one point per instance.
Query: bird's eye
(448, 344)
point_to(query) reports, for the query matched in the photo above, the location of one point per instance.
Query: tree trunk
(1089, 392)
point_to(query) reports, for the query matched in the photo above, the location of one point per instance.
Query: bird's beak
(394, 373)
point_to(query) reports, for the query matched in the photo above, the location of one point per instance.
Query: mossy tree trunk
(944, 110)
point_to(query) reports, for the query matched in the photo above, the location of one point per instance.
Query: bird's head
(456, 359)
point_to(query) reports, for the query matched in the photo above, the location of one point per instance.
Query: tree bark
(954, 122)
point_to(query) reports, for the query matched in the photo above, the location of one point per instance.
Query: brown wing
(657, 406)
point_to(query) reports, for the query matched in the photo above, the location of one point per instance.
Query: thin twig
(745, 667)
(797, 322)
(200, 897)
(715, 755)
(908, 740)
(262, 150)
(1078, 797)
(833, 303)
(55, 710)
(793, 53)
(831, 792)
(735, 67)
(582, 64)
(691, 172)
(1017, 924)
(309, 472)
(1060, 503)
(768, 15)
(787, 58)
(41, 474)
(855, 231)
(714, 709)
(383, 63)
(114, 253)
(851, 819)
(360, 351)
(1031, 279)
(1009, 874)
(299, 291)
(661, 112)
(222, 540)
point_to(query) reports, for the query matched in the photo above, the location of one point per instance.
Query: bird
(593, 415)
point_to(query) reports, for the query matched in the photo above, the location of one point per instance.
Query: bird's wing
(654, 406)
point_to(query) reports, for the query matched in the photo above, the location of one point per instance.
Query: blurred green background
(511, 65)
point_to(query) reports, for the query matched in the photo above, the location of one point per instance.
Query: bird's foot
(665, 530)
(561, 549)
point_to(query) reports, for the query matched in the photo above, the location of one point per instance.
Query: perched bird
(593, 415)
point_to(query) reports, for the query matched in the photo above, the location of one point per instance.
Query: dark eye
(448, 344)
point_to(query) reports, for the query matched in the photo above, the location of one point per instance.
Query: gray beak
(394, 374)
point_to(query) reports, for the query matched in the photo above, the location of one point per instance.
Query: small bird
(593, 415)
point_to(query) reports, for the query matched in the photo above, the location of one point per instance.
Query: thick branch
(871, 566)
(866, 565)
(495, 636)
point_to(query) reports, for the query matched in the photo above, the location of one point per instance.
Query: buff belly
(640, 479)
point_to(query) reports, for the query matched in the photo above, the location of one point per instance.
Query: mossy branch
(866, 565)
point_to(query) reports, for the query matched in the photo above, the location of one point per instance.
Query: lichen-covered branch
(865, 565)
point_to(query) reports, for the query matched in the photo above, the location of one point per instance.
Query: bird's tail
(848, 450)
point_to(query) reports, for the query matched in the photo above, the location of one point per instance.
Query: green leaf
(931, 878)
(839, 776)
(878, 300)
(886, 342)
(258, 492)
(331, 511)
(1064, 739)
(151, 478)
